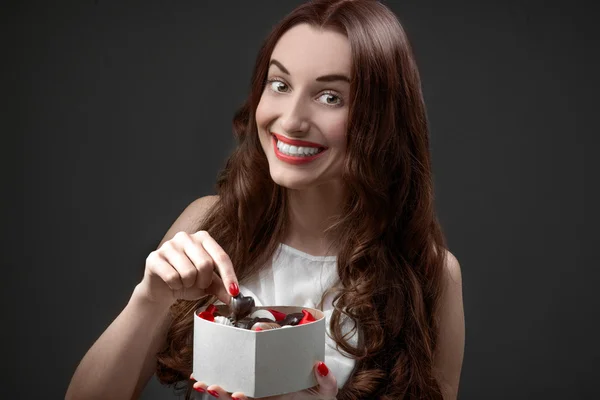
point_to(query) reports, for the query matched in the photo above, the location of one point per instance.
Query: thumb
(328, 387)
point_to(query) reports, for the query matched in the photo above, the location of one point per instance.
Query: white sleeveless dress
(295, 278)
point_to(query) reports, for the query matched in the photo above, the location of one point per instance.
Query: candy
(292, 319)
(207, 316)
(265, 326)
(308, 317)
(279, 316)
(223, 321)
(241, 306)
(211, 309)
(262, 314)
(243, 315)
(246, 323)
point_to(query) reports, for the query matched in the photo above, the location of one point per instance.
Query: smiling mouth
(293, 154)
(299, 148)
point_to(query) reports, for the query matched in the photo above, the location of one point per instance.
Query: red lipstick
(296, 160)
(293, 142)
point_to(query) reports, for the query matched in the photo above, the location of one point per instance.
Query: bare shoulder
(191, 217)
(200, 206)
(453, 273)
(451, 339)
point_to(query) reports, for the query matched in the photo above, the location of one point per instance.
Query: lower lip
(292, 159)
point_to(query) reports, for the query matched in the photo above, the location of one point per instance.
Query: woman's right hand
(184, 268)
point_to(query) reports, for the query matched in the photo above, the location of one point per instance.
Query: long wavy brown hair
(391, 249)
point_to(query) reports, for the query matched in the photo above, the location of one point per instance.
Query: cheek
(264, 112)
(337, 131)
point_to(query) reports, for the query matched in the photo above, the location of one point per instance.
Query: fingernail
(199, 389)
(234, 290)
(213, 393)
(235, 398)
(322, 368)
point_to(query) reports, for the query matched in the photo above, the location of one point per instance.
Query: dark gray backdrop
(122, 114)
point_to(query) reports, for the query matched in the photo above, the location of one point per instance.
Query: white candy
(223, 321)
(262, 314)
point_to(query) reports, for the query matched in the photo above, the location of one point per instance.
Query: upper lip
(294, 142)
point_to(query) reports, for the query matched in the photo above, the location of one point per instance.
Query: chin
(291, 182)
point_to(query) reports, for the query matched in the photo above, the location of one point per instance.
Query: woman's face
(303, 111)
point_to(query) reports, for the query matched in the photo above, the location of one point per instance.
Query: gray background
(116, 116)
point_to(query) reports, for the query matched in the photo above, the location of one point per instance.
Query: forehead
(304, 49)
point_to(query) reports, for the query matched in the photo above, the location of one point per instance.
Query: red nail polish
(322, 368)
(234, 290)
(213, 393)
(199, 389)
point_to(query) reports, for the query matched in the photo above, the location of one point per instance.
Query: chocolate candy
(244, 323)
(243, 315)
(292, 319)
(247, 323)
(240, 307)
(262, 314)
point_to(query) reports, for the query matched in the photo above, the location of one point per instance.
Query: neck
(310, 212)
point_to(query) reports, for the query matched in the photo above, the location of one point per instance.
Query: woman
(332, 166)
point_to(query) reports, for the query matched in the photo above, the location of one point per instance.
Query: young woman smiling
(327, 201)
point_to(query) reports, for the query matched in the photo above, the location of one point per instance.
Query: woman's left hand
(326, 389)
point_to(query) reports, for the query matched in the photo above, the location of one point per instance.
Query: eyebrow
(324, 78)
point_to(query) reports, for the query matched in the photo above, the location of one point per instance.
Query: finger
(218, 289)
(165, 271)
(203, 263)
(180, 261)
(238, 396)
(328, 387)
(222, 261)
(218, 392)
(199, 387)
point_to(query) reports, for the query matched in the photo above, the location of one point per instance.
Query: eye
(277, 85)
(331, 99)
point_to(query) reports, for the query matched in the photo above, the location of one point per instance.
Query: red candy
(211, 309)
(279, 316)
(307, 318)
(207, 316)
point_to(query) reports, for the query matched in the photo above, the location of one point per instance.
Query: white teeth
(296, 150)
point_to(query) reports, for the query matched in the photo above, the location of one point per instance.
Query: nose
(295, 120)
